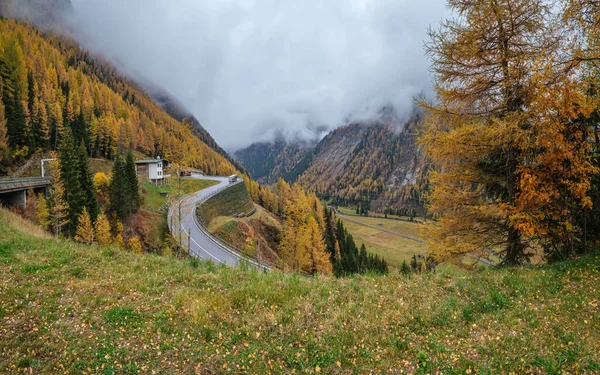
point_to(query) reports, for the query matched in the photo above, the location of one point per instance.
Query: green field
(69, 308)
(352, 212)
(393, 248)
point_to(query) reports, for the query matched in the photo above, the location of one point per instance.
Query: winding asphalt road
(199, 242)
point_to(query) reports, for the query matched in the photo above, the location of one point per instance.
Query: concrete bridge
(13, 191)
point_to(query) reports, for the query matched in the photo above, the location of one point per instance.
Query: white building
(153, 170)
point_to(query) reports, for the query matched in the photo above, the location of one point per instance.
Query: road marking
(194, 241)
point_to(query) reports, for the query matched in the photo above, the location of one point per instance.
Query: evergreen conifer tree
(133, 194)
(117, 189)
(3, 130)
(86, 182)
(404, 269)
(58, 208)
(71, 180)
(11, 70)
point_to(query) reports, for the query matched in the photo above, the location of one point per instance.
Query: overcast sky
(248, 68)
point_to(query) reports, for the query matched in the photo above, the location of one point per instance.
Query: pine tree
(363, 259)
(102, 230)
(329, 234)
(85, 228)
(117, 193)
(86, 182)
(80, 130)
(404, 269)
(3, 130)
(133, 194)
(414, 264)
(71, 179)
(32, 108)
(12, 71)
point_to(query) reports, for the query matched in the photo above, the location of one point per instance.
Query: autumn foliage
(507, 132)
(48, 85)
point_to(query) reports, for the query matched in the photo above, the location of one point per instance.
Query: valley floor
(377, 238)
(68, 308)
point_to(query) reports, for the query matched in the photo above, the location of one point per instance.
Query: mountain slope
(50, 84)
(372, 163)
(69, 308)
(267, 162)
(51, 15)
(178, 111)
(375, 163)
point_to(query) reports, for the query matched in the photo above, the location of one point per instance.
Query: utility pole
(258, 253)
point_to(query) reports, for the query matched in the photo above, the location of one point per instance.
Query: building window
(160, 165)
(159, 173)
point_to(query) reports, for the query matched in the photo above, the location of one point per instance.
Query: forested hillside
(267, 162)
(176, 110)
(372, 165)
(49, 84)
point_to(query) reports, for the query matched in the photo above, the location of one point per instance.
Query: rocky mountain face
(375, 164)
(267, 162)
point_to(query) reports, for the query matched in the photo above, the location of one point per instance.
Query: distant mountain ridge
(374, 163)
(270, 161)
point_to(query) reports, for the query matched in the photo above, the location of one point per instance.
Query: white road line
(203, 249)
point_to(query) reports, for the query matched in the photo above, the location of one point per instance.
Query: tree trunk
(514, 247)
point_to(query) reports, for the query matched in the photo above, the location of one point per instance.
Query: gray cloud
(248, 69)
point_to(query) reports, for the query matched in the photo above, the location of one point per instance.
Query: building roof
(149, 161)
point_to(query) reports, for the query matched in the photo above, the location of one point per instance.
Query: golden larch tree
(85, 228)
(58, 209)
(511, 165)
(319, 258)
(102, 230)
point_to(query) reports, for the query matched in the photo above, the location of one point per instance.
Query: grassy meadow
(393, 248)
(69, 308)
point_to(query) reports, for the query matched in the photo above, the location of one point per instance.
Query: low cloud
(249, 70)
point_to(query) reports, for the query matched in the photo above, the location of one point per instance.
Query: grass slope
(66, 308)
(231, 201)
